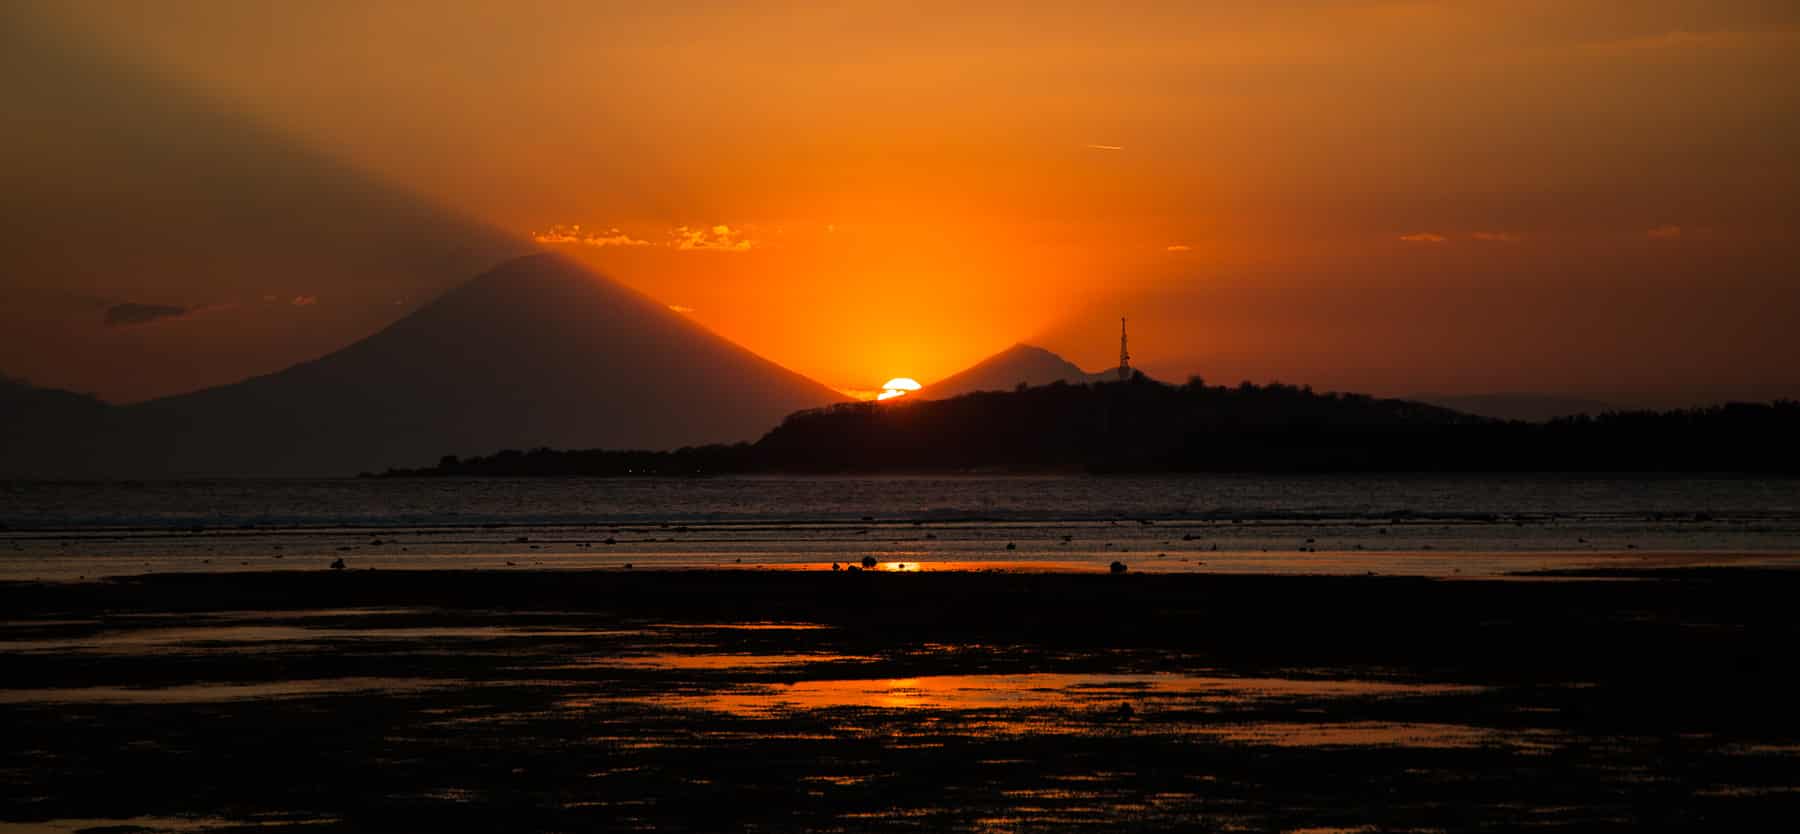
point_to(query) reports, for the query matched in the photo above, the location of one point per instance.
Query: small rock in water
(1119, 567)
(339, 564)
(835, 566)
(1011, 546)
(868, 561)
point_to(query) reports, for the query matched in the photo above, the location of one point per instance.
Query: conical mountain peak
(538, 351)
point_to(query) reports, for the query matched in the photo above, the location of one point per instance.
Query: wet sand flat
(898, 701)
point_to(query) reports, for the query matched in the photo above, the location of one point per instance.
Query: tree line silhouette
(1146, 426)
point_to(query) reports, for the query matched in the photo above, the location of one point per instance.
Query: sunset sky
(1567, 197)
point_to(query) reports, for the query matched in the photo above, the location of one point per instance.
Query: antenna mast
(1124, 355)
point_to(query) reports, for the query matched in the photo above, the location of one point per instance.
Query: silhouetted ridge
(1136, 425)
(1535, 408)
(20, 398)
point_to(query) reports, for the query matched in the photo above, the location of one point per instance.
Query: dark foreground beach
(938, 701)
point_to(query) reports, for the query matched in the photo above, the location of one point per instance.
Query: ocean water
(1426, 525)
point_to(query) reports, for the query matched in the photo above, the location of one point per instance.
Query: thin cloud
(130, 315)
(574, 234)
(1495, 237)
(681, 308)
(304, 300)
(719, 238)
(1104, 147)
(1178, 247)
(1668, 231)
(1683, 40)
(716, 238)
(1423, 237)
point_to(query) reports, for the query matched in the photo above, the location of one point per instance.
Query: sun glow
(899, 386)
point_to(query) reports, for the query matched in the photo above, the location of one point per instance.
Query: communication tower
(1124, 355)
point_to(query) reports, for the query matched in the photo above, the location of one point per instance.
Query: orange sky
(1399, 197)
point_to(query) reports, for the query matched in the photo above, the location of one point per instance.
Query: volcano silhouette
(536, 352)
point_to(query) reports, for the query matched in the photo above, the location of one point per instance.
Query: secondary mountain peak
(1020, 364)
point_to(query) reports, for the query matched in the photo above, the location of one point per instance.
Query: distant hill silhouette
(539, 351)
(1146, 426)
(1135, 425)
(19, 399)
(1020, 364)
(1532, 408)
(29, 415)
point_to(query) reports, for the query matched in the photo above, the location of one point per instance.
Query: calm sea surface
(1416, 525)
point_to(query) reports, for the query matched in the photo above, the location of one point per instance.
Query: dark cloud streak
(130, 314)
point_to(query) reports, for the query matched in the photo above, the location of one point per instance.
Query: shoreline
(570, 559)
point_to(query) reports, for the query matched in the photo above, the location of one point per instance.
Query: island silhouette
(1142, 425)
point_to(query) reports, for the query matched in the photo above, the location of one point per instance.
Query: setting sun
(899, 386)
